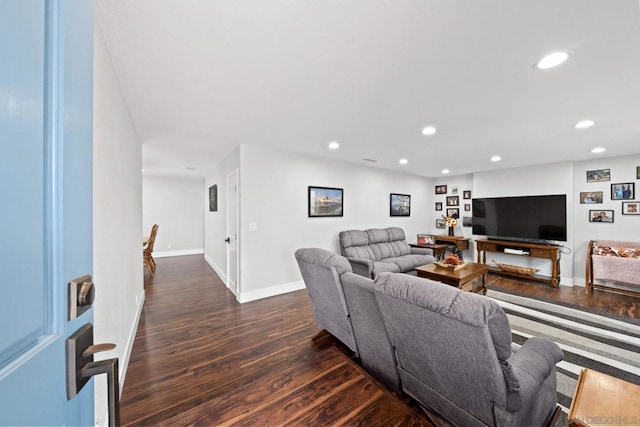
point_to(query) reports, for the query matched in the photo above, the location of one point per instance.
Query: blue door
(46, 104)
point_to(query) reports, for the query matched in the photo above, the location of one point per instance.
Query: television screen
(525, 218)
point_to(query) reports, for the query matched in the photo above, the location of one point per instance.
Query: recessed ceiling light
(403, 161)
(429, 130)
(552, 60)
(190, 168)
(598, 150)
(445, 171)
(583, 124)
(496, 158)
(334, 145)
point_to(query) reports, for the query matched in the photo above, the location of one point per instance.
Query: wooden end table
(438, 249)
(601, 399)
(458, 278)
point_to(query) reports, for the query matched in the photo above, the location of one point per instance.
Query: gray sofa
(378, 250)
(449, 350)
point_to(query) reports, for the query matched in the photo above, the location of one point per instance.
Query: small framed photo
(425, 239)
(453, 212)
(399, 204)
(452, 200)
(466, 221)
(467, 207)
(325, 201)
(623, 191)
(630, 208)
(599, 175)
(601, 216)
(454, 190)
(638, 172)
(438, 206)
(591, 197)
(466, 194)
(213, 198)
(439, 223)
(441, 189)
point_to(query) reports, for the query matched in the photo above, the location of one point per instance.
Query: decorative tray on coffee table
(441, 264)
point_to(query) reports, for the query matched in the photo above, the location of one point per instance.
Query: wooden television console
(533, 250)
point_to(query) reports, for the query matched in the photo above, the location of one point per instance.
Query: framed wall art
(439, 223)
(441, 189)
(213, 198)
(591, 197)
(453, 212)
(630, 208)
(623, 191)
(438, 206)
(599, 175)
(399, 204)
(325, 201)
(452, 200)
(601, 216)
(466, 194)
(467, 221)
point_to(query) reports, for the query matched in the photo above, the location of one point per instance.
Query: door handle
(109, 367)
(228, 240)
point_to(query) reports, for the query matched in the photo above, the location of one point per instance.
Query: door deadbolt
(81, 295)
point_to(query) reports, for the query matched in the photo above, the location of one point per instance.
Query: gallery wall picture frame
(638, 172)
(438, 206)
(453, 200)
(599, 175)
(399, 204)
(454, 190)
(325, 201)
(591, 197)
(466, 194)
(467, 221)
(603, 215)
(441, 189)
(213, 198)
(453, 212)
(439, 223)
(467, 207)
(630, 208)
(623, 191)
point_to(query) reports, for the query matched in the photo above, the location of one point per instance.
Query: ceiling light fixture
(583, 124)
(403, 161)
(445, 171)
(334, 145)
(496, 158)
(552, 60)
(429, 130)
(598, 150)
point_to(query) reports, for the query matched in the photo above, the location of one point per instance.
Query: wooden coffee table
(601, 399)
(458, 278)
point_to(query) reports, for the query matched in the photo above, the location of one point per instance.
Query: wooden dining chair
(147, 251)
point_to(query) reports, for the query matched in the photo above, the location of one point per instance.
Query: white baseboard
(580, 282)
(178, 253)
(124, 363)
(271, 291)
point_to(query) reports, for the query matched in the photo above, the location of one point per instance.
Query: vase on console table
(450, 231)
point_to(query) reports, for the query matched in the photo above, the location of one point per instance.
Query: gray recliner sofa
(378, 250)
(453, 354)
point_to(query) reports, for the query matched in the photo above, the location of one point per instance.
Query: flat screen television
(528, 218)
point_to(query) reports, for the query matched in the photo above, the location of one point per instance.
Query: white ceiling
(202, 76)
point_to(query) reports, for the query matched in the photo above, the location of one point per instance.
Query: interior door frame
(236, 220)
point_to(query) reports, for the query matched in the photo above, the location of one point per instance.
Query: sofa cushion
(410, 261)
(385, 267)
(355, 244)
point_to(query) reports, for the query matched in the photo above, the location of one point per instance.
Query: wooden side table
(601, 399)
(460, 243)
(438, 249)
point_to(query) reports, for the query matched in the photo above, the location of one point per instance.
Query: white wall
(215, 223)
(273, 194)
(175, 204)
(554, 178)
(624, 227)
(117, 221)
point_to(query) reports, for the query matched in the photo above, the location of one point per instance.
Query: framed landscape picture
(601, 216)
(630, 208)
(325, 201)
(599, 175)
(441, 189)
(591, 197)
(623, 191)
(400, 204)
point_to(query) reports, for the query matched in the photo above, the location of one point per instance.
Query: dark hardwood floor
(201, 358)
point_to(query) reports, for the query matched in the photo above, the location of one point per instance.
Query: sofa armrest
(532, 364)
(361, 266)
(421, 251)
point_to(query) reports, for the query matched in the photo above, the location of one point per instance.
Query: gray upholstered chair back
(447, 342)
(374, 244)
(321, 270)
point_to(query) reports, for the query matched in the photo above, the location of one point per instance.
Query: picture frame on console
(599, 175)
(441, 189)
(399, 204)
(325, 201)
(630, 208)
(623, 191)
(601, 216)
